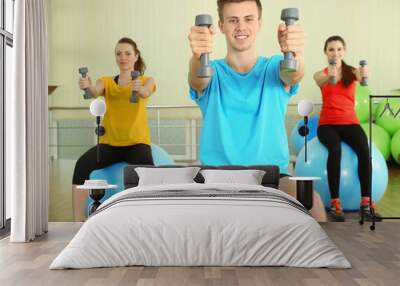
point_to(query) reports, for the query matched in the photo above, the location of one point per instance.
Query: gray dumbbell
(364, 80)
(332, 79)
(289, 64)
(134, 97)
(205, 69)
(83, 71)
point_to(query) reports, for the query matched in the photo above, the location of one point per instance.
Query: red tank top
(338, 104)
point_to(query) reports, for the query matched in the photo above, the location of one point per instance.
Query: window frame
(6, 39)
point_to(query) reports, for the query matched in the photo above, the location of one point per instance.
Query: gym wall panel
(84, 33)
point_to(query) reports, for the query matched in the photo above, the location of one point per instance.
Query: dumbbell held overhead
(289, 63)
(83, 71)
(205, 70)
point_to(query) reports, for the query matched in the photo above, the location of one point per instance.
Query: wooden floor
(375, 257)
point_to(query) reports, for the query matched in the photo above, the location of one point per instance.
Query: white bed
(201, 225)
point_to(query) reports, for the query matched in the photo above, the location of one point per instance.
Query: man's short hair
(221, 4)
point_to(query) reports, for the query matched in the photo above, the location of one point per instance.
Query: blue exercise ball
(160, 156)
(349, 188)
(114, 173)
(297, 139)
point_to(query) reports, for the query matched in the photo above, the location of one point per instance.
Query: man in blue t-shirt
(244, 103)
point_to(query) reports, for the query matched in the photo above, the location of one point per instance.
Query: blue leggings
(352, 134)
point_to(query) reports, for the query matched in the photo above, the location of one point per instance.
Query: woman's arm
(95, 90)
(321, 78)
(359, 73)
(146, 89)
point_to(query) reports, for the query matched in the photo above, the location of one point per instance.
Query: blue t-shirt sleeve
(202, 101)
(294, 89)
(275, 62)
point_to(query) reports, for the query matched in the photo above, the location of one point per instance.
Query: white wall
(84, 33)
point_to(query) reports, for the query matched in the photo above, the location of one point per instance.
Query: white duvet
(207, 230)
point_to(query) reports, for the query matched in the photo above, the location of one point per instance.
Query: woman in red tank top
(338, 122)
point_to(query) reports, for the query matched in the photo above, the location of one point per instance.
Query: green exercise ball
(384, 118)
(380, 138)
(395, 146)
(362, 103)
(374, 108)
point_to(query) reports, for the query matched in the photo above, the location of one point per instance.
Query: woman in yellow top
(127, 136)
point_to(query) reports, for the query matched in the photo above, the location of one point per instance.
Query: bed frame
(270, 179)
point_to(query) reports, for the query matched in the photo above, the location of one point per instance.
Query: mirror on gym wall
(84, 34)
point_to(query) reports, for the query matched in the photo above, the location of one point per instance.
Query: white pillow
(165, 176)
(248, 177)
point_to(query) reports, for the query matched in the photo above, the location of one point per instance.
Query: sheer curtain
(27, 124)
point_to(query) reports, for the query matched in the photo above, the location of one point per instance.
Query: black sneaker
(366, 211)
(336, 212)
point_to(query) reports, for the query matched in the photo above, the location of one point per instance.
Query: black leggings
(139, 154)
(331, 136)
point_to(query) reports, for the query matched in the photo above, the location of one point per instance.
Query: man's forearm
(196, 82)
(292, 78)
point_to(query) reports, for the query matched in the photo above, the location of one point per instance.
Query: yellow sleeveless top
(125, 122)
